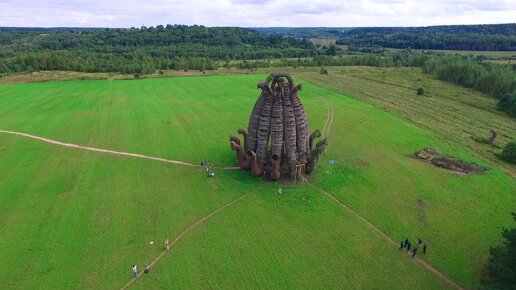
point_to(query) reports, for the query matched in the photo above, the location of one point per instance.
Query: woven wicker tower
(277, 142)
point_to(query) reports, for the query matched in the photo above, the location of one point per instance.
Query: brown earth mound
(433, 156)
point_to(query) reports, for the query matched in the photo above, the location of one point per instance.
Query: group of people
(146, 270)
(406, 245)
(209, 169)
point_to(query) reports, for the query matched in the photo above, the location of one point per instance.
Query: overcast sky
(247, 13)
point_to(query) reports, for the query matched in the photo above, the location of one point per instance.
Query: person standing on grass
(135, 271)
(408, 247)
(406, 242)
(424, 249)
(414, 253)
(167, 245)
(401, 246)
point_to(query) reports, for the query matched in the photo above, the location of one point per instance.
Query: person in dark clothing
(401, 246)
(408, 247)
(406, 242)
(419, 241)
(414, 253)
(424, 249)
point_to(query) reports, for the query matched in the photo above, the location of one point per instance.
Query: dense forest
(305, 32)
(140, 50)
(499, 37)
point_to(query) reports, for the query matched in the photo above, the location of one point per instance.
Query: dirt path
(383, 235)
(329, 120)
(326, 131)
(107, 151)
(183, 233)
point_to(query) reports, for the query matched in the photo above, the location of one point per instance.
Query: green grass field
(76, 219)
(457, 114)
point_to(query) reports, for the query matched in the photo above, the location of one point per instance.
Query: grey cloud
(127, 13)
(250, 2)
(481, 5)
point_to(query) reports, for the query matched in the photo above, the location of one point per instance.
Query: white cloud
(127, 13)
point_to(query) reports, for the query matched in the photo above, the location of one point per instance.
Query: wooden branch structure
(277, 142)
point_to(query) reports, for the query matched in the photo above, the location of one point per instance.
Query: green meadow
(74, 219)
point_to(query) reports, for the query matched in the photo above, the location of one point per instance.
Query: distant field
(489, 54)
(502, 61)
(492, 55)
(76, 219)
(324, 41)
(45, 76)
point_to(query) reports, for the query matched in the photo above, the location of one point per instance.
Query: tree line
(499, 37)
(142, 49)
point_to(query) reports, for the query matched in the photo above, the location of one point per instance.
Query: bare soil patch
(433, 156)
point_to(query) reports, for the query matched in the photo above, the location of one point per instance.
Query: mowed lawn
(76, 219)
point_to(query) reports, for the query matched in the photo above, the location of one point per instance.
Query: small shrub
(137, 76)
(509, 152)
(420, 91)
(507, 103)
(161, 72)
(500, 268)
(324, 71)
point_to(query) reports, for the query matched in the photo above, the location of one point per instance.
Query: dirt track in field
(325, 133)
(182, 234)
(108, 151)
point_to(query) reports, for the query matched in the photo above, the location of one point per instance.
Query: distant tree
(332, 50)
(501, 267)
(507, 103)
(509, 153)
(420, 91)
(148, 65)
(324, 71)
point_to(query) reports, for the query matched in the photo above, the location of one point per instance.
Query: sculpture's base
(296, 175)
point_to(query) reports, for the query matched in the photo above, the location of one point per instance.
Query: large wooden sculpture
(277, 140)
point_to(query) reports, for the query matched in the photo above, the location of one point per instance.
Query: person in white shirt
(135, 271)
